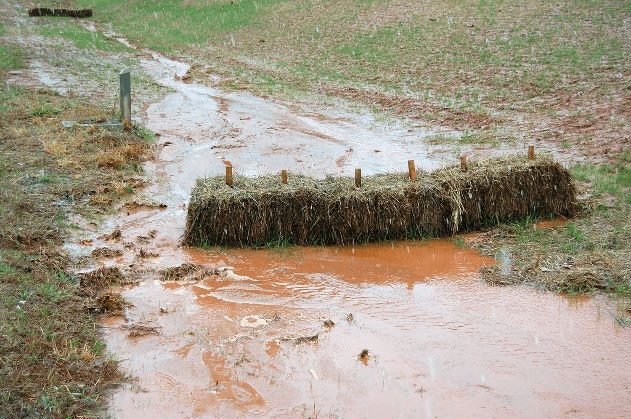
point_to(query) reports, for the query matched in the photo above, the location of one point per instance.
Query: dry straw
(258, 211)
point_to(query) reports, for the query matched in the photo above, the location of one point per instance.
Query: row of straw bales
(258, 211)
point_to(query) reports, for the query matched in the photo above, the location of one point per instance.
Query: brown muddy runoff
(399, 329)
(279, 333)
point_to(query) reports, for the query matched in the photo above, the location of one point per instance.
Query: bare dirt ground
(389, 330)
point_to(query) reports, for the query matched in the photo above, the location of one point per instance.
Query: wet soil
(281, 333)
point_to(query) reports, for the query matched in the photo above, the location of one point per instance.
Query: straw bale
(258, 211)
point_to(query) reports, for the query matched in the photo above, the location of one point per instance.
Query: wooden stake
(229, 175)
(125, 96)
(284, 174)
(411, 170)
(358, 178)
(463, 163)
(531, 152)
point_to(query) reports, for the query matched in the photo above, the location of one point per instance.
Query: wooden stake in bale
(358, 178)
(258, 211)
(284, 176)
(463, 163)
(411, 170)
(531, 152)
(229, 175)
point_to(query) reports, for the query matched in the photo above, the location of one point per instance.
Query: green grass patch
(81, 37)
(11, 57)
(611, 179)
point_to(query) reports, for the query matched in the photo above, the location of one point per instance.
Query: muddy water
(258, 136)
(440, 343)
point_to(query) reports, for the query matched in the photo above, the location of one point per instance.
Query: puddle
(285, 336)
(557, 222)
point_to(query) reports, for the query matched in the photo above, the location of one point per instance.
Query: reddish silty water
(440, 343)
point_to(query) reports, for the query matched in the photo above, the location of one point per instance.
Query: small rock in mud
(364, 356)
(329, 323)
(350, 318)
(106, 253)
(186, 271)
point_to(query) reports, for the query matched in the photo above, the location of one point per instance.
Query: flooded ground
(282, 335)
(385, 330)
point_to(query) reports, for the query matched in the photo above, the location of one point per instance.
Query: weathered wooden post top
(125, 92)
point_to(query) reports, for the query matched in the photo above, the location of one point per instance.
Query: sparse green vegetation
(586, 254)
(11, 57)
(465, 51)
(52, 362)
(82, 38)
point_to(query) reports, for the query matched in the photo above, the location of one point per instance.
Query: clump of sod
(257, 211)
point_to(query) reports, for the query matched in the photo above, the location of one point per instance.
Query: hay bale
(257, 211)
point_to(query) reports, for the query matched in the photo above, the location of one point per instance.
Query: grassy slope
(52, 362)
(468, 53)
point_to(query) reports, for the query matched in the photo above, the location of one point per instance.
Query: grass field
(472, 54)
(501, 70)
